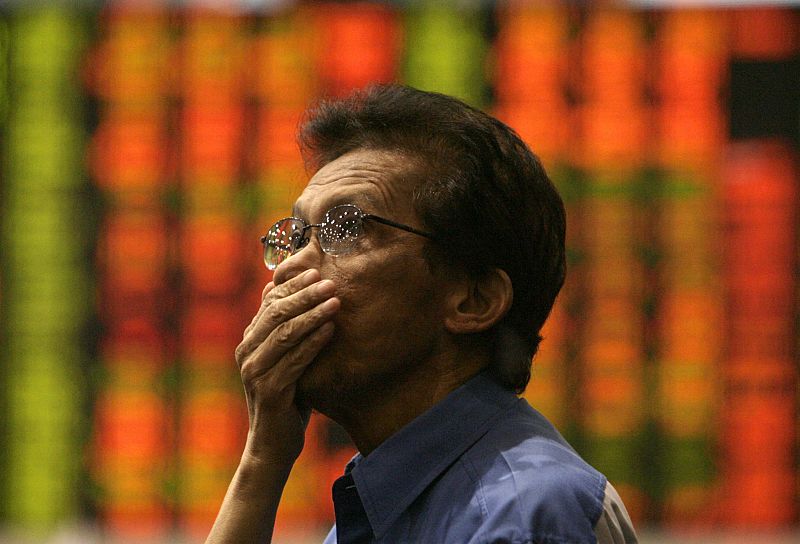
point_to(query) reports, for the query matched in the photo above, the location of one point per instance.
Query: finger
(292, 286)
(290, 333)
(281, 310)
(292, 365)
(269, 287)
(287, 336)
(296, 362)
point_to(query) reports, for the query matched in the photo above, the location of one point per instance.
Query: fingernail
(309, 276)
(330, 305)
(326, 288)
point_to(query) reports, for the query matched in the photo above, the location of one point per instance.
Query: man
(410, 286)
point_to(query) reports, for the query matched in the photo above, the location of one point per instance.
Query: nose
(305, 259)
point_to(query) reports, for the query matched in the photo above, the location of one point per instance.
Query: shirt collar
(400, 469)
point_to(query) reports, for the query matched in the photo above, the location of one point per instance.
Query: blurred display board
(146, 147)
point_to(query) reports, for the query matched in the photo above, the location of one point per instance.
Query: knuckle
(270, 298)
(284, 335)
(277, 312)
(248, 373)
(280, 291)
(253, 367)
(309, 296)
(241, 352)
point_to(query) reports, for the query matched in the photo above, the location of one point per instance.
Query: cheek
(378, 300)
(361, 297)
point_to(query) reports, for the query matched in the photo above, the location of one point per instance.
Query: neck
(371, 419)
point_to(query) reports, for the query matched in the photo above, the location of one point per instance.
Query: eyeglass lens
(342, 227)
(338, 234)
(283, 239)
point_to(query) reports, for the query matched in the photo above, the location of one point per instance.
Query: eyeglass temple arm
(400, 226)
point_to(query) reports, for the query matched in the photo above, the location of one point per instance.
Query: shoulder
(532, 483)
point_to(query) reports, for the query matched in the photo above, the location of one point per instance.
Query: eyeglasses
(338, 233)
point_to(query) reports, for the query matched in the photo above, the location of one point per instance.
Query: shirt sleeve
(614, 525)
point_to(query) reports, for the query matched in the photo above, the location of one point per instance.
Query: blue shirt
(481, 466)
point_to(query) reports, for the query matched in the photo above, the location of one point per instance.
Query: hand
(292, 325)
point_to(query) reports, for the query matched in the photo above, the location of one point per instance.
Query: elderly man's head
(435, 164)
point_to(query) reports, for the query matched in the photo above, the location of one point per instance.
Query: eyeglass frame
(362, 216)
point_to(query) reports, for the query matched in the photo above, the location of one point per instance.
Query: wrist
(258, 475)
(262, 453)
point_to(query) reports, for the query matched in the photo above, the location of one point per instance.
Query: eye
(350, 226)
(343, 225)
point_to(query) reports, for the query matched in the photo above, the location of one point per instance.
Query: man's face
(389, 323)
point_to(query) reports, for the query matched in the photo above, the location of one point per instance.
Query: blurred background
(145, 146)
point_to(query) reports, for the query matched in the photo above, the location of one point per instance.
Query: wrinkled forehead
(379, 182)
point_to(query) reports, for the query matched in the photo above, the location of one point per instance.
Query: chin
(333, 384)
(320, 384)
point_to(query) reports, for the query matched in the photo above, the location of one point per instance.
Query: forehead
(377, 181)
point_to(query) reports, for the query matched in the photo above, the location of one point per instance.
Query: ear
(476, 305)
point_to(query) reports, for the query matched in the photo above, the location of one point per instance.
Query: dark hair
(483, 193)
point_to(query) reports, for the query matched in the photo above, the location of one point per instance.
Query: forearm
(292, 325)
(248, 511)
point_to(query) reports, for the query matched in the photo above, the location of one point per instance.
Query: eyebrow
(361, 201)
